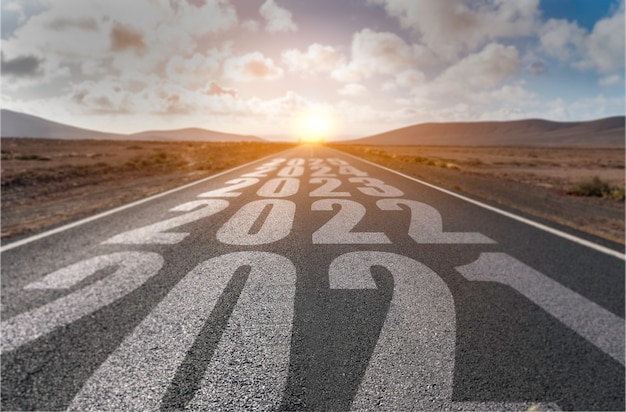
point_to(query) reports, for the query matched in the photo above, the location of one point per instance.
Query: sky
(349, 68)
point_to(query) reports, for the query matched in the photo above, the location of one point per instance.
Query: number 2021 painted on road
(137, 374)
(269, 293)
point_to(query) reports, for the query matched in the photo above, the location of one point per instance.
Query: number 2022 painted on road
(425, 223)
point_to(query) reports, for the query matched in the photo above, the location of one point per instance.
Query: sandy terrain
(48, 182)
(535, 181)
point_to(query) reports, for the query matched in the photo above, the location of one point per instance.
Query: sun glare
(315, 125)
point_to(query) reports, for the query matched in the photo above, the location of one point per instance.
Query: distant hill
(15, 124)
(607, 132)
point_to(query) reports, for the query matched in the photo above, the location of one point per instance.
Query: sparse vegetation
(529, 179)
(8, 155)
(596, 187)
(36, 194)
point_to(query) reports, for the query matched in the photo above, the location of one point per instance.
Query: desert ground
(547, 183)
(48, 182)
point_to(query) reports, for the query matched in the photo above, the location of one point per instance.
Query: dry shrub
(596, 187)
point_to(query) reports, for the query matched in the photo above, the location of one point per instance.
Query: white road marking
(137, 374)
(426, 224)
(155, 233)
(134, 268)
(338, 230)
(276, 226)
(591, 321)
(80, 222)
(537, 225)
(413, 362)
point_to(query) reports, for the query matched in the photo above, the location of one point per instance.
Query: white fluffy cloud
(252, 66)
(195, 70)
(482, 70)
(378, 53)
(278, 19)
(604, 47)
(454, 26)
(601, 50)
(561, 39)
(317, 59)
(353, 89)
(104, 36)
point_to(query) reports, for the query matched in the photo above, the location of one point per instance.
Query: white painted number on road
(413, 362)
(254, 348)
(153, 234)
(276, 223)
(338, 230)
(427, 226)
(230, 190)
(591, 321)
(133, 269)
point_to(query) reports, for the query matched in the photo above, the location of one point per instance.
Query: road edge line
(109, 212)
(537, 225)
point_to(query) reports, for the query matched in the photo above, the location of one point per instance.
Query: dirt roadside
(49, 182)
(535, 181)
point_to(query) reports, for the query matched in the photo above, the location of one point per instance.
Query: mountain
(15, 124)
(607, 132)
(194, 134)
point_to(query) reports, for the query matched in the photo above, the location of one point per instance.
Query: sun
(315, 124)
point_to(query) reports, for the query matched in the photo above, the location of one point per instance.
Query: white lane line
(63, 228)
(564, 235)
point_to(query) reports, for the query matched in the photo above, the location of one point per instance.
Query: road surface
(311, 280)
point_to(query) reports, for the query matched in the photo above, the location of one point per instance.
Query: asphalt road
(311, 280)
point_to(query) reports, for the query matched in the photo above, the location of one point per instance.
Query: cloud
(604, 47)
(316, 59)
(378, 53)
(107, 96)
(611, 80)
(452, 27)
(125, 38)
(537, 67)
(22, 66)
(601, 50)
(410, 78)
(195, 70)
(252, 66)
(561, 39)
(353, 89)
(278, 19)
(143, 34)
(85, 24)
(484, 69)
(214, 89)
